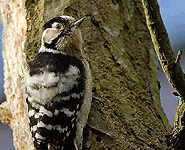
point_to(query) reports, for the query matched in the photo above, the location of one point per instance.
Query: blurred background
(173, 15)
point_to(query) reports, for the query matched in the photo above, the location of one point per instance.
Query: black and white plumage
(58, 87)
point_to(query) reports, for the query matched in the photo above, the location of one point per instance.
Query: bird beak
(78, 22)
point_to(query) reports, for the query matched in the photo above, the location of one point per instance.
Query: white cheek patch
(49, 35)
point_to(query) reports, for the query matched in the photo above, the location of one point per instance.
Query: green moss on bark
(35, 10)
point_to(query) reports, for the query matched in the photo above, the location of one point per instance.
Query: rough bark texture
(122, 60)
(13, 110)
(171, 68)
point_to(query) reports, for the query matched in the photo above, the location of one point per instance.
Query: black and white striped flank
(55, 93)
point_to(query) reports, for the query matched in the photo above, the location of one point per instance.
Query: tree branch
(170, 65)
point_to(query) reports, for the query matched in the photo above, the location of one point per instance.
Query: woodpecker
(58, 87)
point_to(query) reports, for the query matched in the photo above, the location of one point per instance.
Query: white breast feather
(43, 87)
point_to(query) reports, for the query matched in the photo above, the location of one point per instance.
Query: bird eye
(58, 26)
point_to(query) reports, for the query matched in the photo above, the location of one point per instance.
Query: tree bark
(126, 112)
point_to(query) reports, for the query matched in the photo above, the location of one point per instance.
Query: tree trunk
(126, 111)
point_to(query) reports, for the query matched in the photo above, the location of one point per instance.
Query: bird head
(62, 35)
